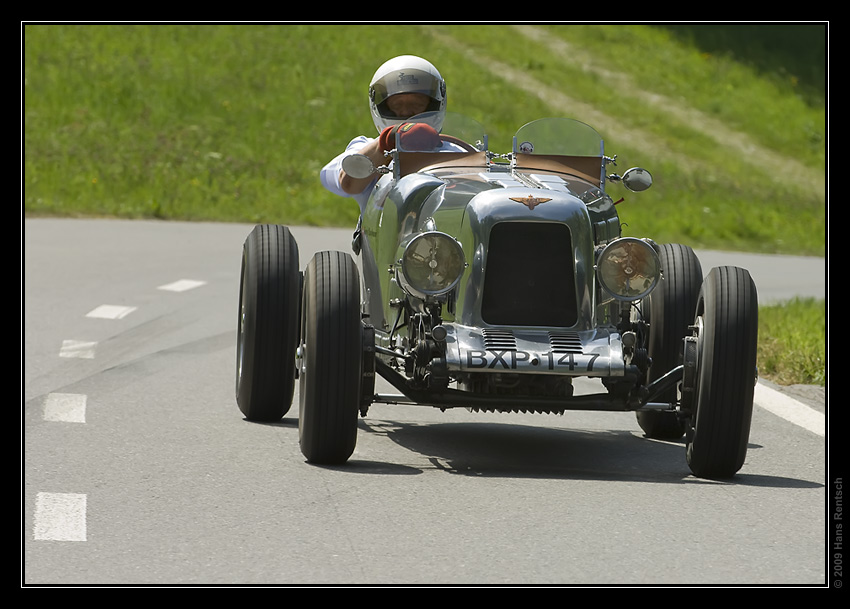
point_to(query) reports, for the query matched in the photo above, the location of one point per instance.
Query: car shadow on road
(504, 450)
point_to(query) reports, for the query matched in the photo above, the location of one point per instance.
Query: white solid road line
(790, 409)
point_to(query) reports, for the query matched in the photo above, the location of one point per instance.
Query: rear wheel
(725, 361)
(330, 364)
(670, 309)
(267, 334)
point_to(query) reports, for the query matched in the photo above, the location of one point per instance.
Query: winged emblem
(529, 201)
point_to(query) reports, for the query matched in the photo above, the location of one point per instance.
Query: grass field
(232, 122)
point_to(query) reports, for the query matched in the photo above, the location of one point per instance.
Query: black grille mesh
(529, 278)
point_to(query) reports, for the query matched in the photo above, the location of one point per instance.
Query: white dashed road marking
(60, 517)
(110, 312)
(77, 349)
(65, 408)
(182, 285)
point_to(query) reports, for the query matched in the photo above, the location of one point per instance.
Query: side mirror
(637, 179)
(358, 166)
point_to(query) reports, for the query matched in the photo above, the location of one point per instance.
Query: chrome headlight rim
(633, 261)
(411, 263)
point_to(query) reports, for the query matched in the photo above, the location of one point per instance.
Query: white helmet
(407, 74)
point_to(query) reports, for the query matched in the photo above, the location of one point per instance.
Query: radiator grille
(565, 342)
(499, 339)
(529, 278)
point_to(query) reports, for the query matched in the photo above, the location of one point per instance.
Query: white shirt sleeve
(330, 172)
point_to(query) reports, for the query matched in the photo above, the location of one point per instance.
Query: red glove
(413, 136)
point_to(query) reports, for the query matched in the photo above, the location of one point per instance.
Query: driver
(401, 88)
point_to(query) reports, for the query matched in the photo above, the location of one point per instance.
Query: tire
(267, 335)
(671, 308)
(331, 354)
(727, 326)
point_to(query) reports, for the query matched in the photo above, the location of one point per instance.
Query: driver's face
(405, 105)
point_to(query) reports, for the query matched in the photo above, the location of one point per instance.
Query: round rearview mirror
(637, 179)
(358, 166)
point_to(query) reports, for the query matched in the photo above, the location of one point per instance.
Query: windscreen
(558, 136)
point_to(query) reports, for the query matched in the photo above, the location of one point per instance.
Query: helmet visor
(407, 81)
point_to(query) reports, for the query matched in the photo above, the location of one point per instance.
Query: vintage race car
(492, 282)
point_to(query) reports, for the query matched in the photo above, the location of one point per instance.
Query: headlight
(431, 265)
(628, 268)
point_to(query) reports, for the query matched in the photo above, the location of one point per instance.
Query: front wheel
(267, 331)
(726, 339)
(670, 310)
(330, 359)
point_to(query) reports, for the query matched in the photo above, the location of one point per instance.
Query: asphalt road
(138, 467)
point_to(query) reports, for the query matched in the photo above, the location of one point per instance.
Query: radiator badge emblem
(529, 201)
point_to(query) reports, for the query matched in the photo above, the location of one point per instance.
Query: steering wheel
(459, 142)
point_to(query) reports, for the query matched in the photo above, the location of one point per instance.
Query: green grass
(232, 123)
(792, 342)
